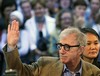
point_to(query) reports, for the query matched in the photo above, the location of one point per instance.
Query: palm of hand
(13, 33)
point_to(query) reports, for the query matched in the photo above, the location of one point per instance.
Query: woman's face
(66, 20)
(79, 10)
(8, 10)
(92, 48)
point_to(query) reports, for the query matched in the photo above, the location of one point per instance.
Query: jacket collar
(56, 69)
(86, 71)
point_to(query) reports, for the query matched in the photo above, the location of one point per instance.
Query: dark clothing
(96, 63)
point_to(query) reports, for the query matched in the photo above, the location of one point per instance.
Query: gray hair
(81, 37)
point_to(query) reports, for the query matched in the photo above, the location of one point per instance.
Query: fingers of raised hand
(14, 26)
(9, 28)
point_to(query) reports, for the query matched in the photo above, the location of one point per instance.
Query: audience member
(91, 52)
(39, 27)
(66, 4)
(91, 13)
(64, 20)
(79, 12)
(52, 7)
(26, 9)
(6, 8)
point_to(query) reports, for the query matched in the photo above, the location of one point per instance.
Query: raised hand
(13, 34)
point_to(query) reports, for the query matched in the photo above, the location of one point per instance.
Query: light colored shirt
(67, 72)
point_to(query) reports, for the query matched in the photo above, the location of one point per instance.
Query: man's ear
(81, 49)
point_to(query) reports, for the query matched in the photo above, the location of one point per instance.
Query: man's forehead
(74, 35)
(69, 38)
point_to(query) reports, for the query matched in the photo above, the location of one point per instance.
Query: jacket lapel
(85, 70)
(56, 69)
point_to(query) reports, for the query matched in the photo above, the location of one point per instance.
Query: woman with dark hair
(91, 50)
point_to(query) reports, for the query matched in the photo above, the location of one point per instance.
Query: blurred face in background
(95, 5)
(8, 10)
(26, 9)
(92, 48)
(39, 10)
(66, 20)
(51, 4)
(64, 4)
(79, 10)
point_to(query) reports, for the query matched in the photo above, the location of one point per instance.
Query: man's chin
(63, 60)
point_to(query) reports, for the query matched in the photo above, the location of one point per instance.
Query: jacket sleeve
(13, 62)
(96, 71)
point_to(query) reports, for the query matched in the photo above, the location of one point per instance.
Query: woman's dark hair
(90, 30)
(7, 3)
(79, 2)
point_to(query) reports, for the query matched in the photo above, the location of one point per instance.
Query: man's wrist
(10, 47)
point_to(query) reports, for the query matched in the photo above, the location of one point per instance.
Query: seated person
(91, 52)
(71, 46)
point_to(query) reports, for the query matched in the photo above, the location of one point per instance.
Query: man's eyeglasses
(65, 46)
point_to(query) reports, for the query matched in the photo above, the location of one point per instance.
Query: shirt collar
(67, 70)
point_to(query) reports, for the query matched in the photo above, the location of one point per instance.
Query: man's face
(95, 5)
(69, 56)
(92, 47)
(39, 10)
(26, 9)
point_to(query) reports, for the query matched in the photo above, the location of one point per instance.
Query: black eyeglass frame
(65, 46)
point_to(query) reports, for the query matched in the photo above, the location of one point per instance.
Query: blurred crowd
(41, 21)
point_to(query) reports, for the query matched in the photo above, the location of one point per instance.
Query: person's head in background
(39, 8)
(95, 6)
(52, 7)
(79, 7)
(7, 7)
(79, 12)
(66, 4)
(18, 16)
(91, 50)
(64, 19)
(26, 8)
